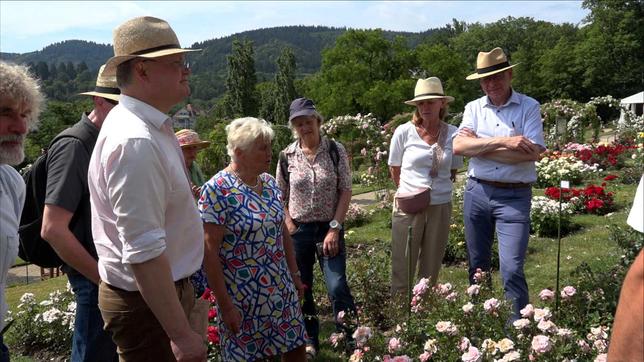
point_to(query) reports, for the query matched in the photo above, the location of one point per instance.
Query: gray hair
(124, 73)
(19, 85)
(317, 116)
(242, 132)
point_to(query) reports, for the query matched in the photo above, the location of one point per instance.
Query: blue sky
(31, 25)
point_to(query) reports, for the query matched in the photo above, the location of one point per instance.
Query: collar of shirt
(143, 110)
(514, 98)
(295, 146)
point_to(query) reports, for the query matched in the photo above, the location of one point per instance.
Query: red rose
(610, 178)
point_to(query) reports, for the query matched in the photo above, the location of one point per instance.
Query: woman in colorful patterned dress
(249, 257)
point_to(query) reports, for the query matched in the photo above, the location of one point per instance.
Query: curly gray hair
(242, 132)
(20, 86)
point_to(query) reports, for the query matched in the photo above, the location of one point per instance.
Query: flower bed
(592, 199)
(544, 216)
(557, 166)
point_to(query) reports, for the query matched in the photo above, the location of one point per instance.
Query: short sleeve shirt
(313, 190)
(67, 164)
(520, 115)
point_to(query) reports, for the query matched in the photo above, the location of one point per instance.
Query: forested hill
(209, 66)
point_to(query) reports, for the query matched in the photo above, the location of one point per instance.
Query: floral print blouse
(313, 190)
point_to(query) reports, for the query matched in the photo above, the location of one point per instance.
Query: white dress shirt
(12, 199)
(140, 194)
(414, 156)
(520, 115)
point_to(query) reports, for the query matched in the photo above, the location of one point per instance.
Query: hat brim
(412, 102)
(200, 145)
(483, 75)
(114, 97)
(113, 62)
(304, 112)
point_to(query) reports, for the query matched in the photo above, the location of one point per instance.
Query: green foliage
(240, 99)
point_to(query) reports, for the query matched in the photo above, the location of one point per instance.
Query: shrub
(47, 326)
(555, 167)
(356, 216)
(544, 217)
(592, 199)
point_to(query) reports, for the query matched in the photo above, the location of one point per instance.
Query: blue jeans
(4, 351)
(333, 269)
(90, 342)
(485, 208)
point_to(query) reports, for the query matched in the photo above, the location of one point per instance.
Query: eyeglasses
(179, 64)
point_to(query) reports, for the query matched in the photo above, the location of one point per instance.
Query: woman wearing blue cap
(314, 176)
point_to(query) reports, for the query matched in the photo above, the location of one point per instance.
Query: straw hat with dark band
(105, 86)
(188, 137)
(143, 37)
(488, 63)
(430, 88)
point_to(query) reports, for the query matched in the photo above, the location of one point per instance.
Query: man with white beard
(20, 102)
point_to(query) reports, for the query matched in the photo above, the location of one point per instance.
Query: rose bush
(555, 166)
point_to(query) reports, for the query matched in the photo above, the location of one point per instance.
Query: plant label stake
(562, 185)
(409, 271)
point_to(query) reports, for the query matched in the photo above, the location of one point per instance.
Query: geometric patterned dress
(254, 267)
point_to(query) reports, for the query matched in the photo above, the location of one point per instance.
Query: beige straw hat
(106, 87)
(488, 63)
(143, 37)
(429, 88)
(188, 137)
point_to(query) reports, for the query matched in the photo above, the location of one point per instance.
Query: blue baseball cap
(302, 107)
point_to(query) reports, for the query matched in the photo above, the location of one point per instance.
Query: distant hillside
(75, 51)
(210, 65)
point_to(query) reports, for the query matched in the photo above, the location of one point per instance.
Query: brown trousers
(430, 231)
(135, 330)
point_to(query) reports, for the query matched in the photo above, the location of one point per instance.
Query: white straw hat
(430, 88)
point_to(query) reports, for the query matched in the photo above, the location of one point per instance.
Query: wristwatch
(334, 224)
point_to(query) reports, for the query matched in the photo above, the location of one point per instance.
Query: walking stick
(409, 271)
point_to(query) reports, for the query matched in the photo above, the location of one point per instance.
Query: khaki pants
(135, 330)
(430, 231)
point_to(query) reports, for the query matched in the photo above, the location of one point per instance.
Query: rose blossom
(467, 308)
(362, 335)
(421, 287)
(521, 323)
(356, 356)
(431, 346)
(472, 355)
(446, 327)
(547, 326)
(600, 345)
(488, 346)
(540, 314)
(585, 347)
(546, 294)
(564, 333)
(340, 317)
(464, 345)
(491, 305)
(568, 292)
(473, 290)
(505, 345)
(527, 311)
(425, 357)
(511, 356)
(601, 358)
(394, 345)
(451, 296)
(443, 289)
(479, 275)
(541, 344)
(336, 338)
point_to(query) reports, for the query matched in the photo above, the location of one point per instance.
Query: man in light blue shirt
(502, 133)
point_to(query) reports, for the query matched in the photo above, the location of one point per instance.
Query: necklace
(434, 136)
(244, 182)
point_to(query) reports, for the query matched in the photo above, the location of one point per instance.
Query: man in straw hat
(191, 144)
(67, 221)
(147, 230)
(20, 103)
(503, 135)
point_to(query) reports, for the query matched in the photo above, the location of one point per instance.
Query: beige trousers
(430, 231)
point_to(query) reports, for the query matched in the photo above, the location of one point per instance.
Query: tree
(284, 86)
(241, 98)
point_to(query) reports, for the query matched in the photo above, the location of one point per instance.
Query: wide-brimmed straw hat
(188, 137)
(430, 88)
(488, 63)
(106, 86)
(143, 37)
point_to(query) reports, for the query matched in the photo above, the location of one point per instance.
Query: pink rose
(464, 345)
(394, 345)
(421, 287)
(547, 326)
(425, 357)
(601, 358)
(473, 290)
(491, 305)
(467, 308)
(541, 344)
(527, 311)
(451, 296)
(472, 355)
(340, 317)
(546, 294)
(521, 323)
(568, 292)
(583, 345)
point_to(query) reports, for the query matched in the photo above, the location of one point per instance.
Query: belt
(503, 185)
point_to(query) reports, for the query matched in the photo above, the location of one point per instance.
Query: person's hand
(189, 348)
(466, 132)
(232, 318)
(520, 143)
(196, 190)
(290, 226)
(331, 246)
(298, 285)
